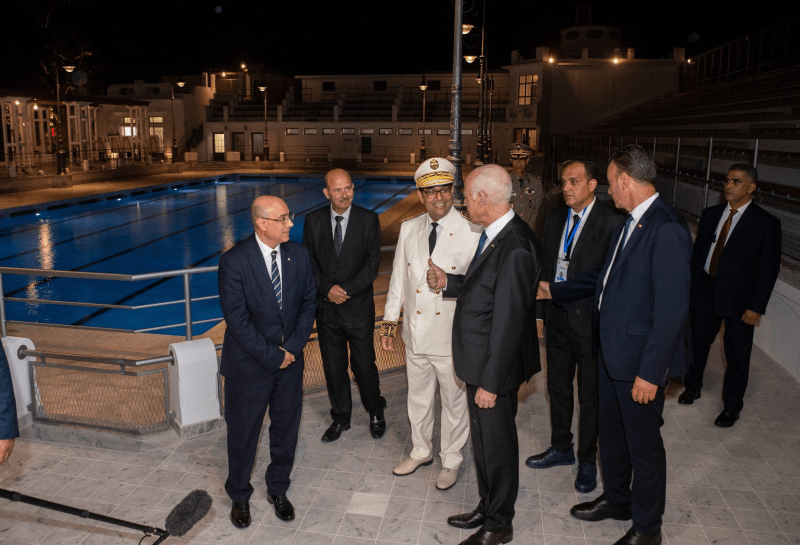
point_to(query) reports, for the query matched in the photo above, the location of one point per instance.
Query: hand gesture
(288, 358)
(437, 279)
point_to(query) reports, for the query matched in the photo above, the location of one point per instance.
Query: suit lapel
(262, 274)
(446, 237)
(633, 239)
(350, 234)
(586, 231)
(487, 249)
(742, 226)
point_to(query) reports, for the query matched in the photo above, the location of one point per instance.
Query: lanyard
(570, 235)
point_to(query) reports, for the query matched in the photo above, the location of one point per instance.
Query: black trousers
(245, 407)
(334, 338)
(737, 342)
(496, 448)
(632, 454)
(566, 352)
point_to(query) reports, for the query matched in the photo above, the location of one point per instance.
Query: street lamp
(180, 83)
(454, 145)
(263, 89)
(423, 153)
(61, 162)
(466, 29)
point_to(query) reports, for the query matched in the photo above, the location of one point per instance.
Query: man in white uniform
(446, 236)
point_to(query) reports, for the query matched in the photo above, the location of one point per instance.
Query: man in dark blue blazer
(735, 263)
(9, 427)
(268, 298)
(641, 337)
(495, 348)
(344, 241)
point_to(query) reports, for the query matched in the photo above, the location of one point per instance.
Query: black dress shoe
(284, 509)
(600, 509)
(467, 520)
(485, 537)
(726, 419)
(634, 537)
(688, 396)
(334, 431)
(240, 514)
(377, 425)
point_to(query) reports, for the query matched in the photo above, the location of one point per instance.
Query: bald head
(271, 220)
(339, 190)
(487, 193)
(336, 175)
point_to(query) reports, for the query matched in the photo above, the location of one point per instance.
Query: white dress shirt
(569, 223)
(494, 229)
(266, 251)
(722, 220)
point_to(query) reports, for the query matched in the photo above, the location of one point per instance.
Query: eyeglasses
(444, 192)
(283, 219)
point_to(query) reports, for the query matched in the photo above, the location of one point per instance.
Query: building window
(526, 136)
(328, 131)
(309, 131)
(367, 131)
(348, 131)
(442, 131)
(219, 142)
(527, 89)
(385, 131)
(290, 132)
(153, 91)
(427, 131)
(404, 132)
(328, 86)
(379, 85)
(158, 133)
(157, 119)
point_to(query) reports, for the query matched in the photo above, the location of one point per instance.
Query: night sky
(146, 38)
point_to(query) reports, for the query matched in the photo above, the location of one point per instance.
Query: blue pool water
(157, 231)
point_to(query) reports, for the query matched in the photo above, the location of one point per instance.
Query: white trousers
(424, 372)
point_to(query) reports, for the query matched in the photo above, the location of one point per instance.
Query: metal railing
(691, 173)
(771, 49)
(186, 301)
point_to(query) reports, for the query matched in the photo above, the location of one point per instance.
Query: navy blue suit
(746, 273)
(257, 328)
(641, 330)
(9, 428)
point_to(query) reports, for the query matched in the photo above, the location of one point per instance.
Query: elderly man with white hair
(495, 347)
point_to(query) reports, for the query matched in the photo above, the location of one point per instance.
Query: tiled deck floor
(734, 486)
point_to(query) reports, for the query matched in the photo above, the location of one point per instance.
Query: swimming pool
(184, 227)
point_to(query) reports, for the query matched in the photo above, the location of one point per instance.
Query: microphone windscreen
(188, 512)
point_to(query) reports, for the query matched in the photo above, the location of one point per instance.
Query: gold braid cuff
(388, 329)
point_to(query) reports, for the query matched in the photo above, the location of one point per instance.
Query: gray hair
(494, 181)
(634, 161)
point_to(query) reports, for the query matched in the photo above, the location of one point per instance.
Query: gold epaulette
(465, 215)
(412, 217)
(388, 329)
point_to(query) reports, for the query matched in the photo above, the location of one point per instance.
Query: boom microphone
(188, 512)
(180, 520)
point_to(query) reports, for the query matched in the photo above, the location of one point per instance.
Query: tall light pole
(488, 147)
(423, 153)
(180, 83)
(61, 162)
(263, 89)
(482, 87)
(454, 144)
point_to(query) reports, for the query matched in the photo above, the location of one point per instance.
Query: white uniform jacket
(428, 318)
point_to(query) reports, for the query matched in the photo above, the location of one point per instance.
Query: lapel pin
(640, 226)
(451, 234)
(289, 258)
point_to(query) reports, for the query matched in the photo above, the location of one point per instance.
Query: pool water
(176, 229)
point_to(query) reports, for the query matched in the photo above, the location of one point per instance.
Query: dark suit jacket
(354, 270)
(749, 264)
(9, 428)
(588, 253)
(642, 326)
(494, 338)
(256, 325)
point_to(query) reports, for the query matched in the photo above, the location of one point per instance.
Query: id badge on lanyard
(561, 270)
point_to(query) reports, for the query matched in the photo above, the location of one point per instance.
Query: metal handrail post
(678, 155)
(708, 171)
(187, 305)
(3, 331)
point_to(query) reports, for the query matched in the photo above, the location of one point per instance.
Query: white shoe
(447, 478)
(410, 465)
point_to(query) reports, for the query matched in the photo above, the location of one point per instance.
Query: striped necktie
(276, 279)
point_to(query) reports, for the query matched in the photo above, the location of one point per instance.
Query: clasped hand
(288, 358)
(337, 295)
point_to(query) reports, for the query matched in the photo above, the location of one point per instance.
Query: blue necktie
(276, 279)
(481, 242)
